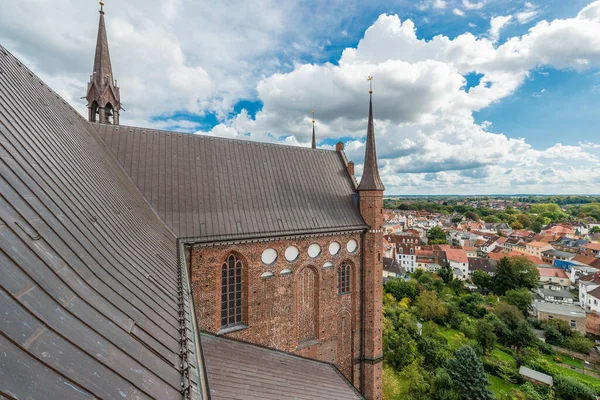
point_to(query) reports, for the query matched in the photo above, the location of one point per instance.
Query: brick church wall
(270, 307)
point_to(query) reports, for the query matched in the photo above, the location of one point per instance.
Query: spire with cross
(314, 139)
(370, 178)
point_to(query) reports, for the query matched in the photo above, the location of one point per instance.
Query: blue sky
(471, 96)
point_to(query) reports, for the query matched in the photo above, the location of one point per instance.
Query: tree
(517, 333)
(437, 235)
(491, 219)
(516, 225)
(515, 273)
(520, 298)
(429, 307)
(485, 336)
(568, 388)
(579, 344)
(524, 219)
(472, 216)
(435, 352)
(482, 279)
(446, 273)
(399, 288)
(399, 349)
(595, 229)
(416, 379)
(468, 378)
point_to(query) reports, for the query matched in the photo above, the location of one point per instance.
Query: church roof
(95, 294)
(239, 370)
(214, 189)
(90, 276)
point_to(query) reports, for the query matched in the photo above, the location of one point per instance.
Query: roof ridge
(201, 136)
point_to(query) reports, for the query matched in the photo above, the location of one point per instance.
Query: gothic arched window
(344, 278)
(231, 291)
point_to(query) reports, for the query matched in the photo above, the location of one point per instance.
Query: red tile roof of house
(592, 245)
(537, 244)
(585, 259)
(553, 272)
(500, 255)
(457, 255)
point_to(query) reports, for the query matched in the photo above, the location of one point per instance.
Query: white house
(457, 258)
(577, 271)
(589, 293)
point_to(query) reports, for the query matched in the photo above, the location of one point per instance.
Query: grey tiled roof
(94, 301)
(215, 189)
(241, 371)
(89, 274)
(536, 375)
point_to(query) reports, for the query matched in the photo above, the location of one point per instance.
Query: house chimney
(339, 146)
(350, 168)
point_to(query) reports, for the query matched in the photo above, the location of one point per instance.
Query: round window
(351, 246)
(334, 248)
(269, 256)
(291, 253)
(314, 250)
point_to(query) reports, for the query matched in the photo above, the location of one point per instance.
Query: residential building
(458, 260)
(536, 248)
(471, 251)
(587, 285)
(553, 278)
(391, 269)
(549, 256)
(592, 261)
(555, 296)
(572, 314)
(428, 261)
(482, 264)
(406, 256)
(577, 271)
(572, 245)
(591, 249)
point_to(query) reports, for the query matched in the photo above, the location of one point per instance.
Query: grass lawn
(565, 359)
(498, 385)
(503, 356)
(455, 338)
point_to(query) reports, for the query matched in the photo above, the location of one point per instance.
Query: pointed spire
(314, 139)
(103, 95)
(370, 178)
(102, 66)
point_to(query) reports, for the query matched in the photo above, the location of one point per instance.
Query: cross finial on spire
(314, 139)
(370, 79)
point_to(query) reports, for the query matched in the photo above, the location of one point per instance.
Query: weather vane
(370, 79)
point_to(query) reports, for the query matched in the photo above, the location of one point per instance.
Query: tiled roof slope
(240, 371)
(215, 189)
(89, 274)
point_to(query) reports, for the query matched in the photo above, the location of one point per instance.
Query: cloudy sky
(471, 96)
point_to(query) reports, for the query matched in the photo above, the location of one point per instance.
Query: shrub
(578, 343)
(571, 389)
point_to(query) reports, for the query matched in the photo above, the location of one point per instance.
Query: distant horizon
(490, 195)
